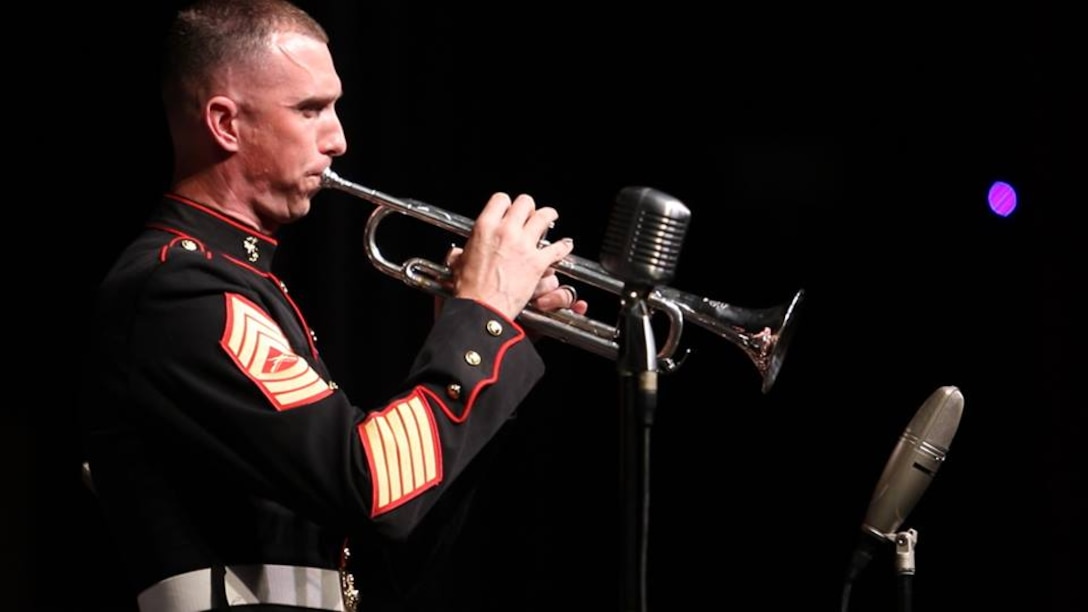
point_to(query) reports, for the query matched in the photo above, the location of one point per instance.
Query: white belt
(307, 587)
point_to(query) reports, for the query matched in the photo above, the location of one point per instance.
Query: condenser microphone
(641, 245)
(914, 462)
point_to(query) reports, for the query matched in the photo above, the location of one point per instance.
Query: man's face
(288, 127)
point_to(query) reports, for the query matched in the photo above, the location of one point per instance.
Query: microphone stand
(637, 369)
(640, 246)
(904, 568)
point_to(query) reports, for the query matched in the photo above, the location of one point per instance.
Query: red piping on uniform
(476, 390)
(179, 237)
(279, 285)
(220, 216)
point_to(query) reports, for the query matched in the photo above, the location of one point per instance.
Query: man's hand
(549, 295)
(504, 263)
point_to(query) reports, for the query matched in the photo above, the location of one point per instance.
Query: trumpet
(762, 333)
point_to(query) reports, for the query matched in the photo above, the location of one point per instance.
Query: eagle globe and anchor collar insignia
(250, 245)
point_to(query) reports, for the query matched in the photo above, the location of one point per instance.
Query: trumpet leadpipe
(443, 219)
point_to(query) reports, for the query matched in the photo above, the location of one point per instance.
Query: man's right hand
(502, 263)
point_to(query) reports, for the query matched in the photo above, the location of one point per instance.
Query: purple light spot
(1002, 198)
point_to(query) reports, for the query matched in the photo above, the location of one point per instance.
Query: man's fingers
(559, 249)
(453, 255)
(494, 210)
(572, 291)
(541, 221)
(562, 296)
(547, 283)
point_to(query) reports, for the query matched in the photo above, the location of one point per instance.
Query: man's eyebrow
(317, 100)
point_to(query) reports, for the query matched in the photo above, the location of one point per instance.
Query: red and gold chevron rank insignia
(261, 350)
(402, 447)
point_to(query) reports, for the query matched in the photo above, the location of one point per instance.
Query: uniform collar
(216, 231)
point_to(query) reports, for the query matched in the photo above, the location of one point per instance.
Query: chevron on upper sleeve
(259, 347)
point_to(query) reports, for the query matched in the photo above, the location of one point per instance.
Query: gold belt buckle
(347, 583)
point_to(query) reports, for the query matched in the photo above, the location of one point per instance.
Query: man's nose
(334, 142)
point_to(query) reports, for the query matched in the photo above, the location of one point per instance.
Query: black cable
(844, 603)
(645, 530)
(905, 590)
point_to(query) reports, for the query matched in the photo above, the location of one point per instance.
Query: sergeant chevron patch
(261, 350)
(401, 444)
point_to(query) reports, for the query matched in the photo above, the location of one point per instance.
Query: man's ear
(220, 115)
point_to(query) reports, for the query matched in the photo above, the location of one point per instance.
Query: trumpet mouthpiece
(328, 177)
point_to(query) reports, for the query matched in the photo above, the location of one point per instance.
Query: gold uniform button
(454, 391)
(473, 358)
(494, 327)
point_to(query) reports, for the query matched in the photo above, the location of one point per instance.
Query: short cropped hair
(208, 34)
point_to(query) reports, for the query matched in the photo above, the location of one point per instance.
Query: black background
(846, 152)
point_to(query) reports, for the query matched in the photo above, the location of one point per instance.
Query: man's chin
(293, 211)
(299, 210)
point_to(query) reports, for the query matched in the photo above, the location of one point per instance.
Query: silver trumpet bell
(763, 334)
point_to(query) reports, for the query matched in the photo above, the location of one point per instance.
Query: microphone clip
(904, 551)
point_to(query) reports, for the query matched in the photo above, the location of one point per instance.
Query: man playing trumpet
(229, 465)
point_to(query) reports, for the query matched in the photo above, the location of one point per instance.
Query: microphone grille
(938, 419)
(644, 235)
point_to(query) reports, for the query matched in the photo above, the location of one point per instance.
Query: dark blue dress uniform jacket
(217, 436)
